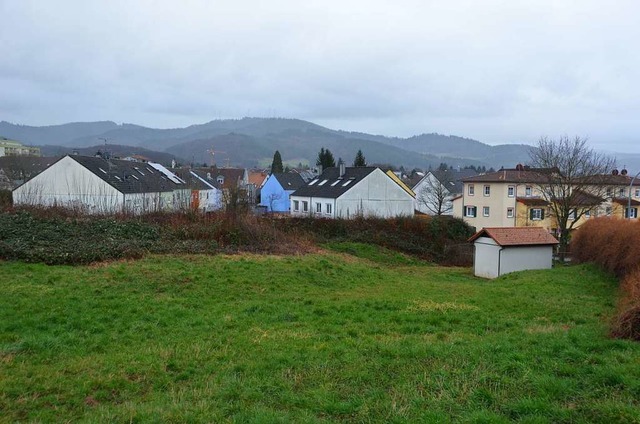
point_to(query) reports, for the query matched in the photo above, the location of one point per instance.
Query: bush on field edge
(62, 236)
(613, 244)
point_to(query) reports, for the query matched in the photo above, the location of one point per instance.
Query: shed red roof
(516, 236)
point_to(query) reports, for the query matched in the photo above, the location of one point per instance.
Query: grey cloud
(496, 71)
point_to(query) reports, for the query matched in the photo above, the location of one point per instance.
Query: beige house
(15, 148)
(511, 198)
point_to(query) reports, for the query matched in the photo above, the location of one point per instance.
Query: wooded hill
(252, 142)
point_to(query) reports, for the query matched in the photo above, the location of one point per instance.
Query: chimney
(319, 170)
(342, 168)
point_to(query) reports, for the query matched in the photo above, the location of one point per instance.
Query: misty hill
(252, 141)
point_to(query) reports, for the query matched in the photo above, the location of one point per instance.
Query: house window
(471, 190)
(296, 205)
(587, 214)
(638, 192)
(621, 192)
(608, 210)
(509, 212)
(485, 211)
(536, 214)
(511, 191)
(609, 192)
(527, 191)
(318, 207)
(572, 214)
(470, 211)
(305, 206)
(487, 190)
(328, 208)
(633, 214)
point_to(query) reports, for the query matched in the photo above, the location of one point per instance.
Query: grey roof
(289, 180)
(128, 177)
(192, 181)
(452, 180)
(23, 168)
(335, 185)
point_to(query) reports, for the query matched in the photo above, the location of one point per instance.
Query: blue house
(275, 191)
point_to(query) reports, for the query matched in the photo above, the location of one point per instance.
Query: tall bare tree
(573, 180)
(434, 195)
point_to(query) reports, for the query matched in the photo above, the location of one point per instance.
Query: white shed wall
(486, 258)
(518, 258)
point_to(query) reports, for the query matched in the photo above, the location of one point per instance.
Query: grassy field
(356, 334)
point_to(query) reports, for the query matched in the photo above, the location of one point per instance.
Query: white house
(500, 250)
(436, 190)
(103, 185)
(349, 192)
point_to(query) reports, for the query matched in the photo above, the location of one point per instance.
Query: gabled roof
(624, 201)
(452, 179)
(192, 180)
(401, 183)
(582, 198)
(289, 180)
(331, 185)
(128, 177)
(516, 236)
(257, 178)
(531, 175)
(25, 167)
(532, 201)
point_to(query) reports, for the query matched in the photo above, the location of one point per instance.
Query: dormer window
(208, 175)
(220, 179)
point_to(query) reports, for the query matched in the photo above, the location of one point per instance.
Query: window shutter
(541, 213)
(475, 211)
(531, 214)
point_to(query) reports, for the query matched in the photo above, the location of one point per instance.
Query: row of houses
(102, 184)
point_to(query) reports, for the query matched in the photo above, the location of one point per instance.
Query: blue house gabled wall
(274, 194)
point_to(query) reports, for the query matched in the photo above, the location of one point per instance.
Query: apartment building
(511, 198)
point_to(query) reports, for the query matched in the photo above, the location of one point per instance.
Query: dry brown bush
(614, 244)
(611, 243)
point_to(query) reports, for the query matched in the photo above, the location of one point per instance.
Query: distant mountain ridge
(252, 142)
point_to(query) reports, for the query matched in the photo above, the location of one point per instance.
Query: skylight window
(313, 182)
(335, 183)
(103, 171)
(323, 182)
(135, 177)
(117, 178)
(346, 183)
(149, 169)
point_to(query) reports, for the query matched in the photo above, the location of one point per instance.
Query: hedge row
(58, 236)
(614, 245)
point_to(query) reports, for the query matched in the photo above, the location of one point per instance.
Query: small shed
(500, 250)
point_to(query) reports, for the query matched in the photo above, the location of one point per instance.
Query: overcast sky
(496, 71)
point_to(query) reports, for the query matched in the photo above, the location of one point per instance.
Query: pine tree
(325, 159)
(276, 165)
(359, 160)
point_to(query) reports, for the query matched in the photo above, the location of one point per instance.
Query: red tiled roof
(510, 176)
(624, 201)
(516, 236)
(532, 201)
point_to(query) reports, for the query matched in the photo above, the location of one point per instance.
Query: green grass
(325, 337)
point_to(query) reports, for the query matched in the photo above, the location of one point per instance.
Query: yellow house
(510, 198)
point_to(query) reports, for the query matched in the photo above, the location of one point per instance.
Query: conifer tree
(276, 165)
